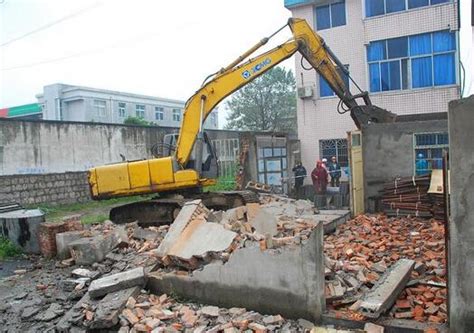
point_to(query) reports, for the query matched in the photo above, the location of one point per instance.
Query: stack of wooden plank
(438, 206)
(405, 196)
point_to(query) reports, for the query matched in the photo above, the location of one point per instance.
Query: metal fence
(227, 151)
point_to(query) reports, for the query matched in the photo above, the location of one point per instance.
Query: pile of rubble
(199, 236)
(364, 249)
(160, 313)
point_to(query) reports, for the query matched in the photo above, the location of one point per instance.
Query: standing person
(319, 176)
(421, 164)
(334, 171)
(325, 163)
(300, 174)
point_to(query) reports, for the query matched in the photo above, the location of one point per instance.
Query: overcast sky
(148, 47)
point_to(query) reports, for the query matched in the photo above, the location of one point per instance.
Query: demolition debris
(373, 266)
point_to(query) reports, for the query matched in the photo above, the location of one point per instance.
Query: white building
(404, 52)
(76, 103)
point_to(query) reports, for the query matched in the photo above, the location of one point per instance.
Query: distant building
(28, 111)
(405, 53)
(76, 103)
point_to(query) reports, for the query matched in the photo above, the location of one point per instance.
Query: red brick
(435, 319)
(403, 304)
(418, 311)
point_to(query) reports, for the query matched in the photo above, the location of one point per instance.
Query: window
(381, 7)
(325, 90)
(334, 147)
(330, 16)
(121, 110)
(159, 113)
(428, 149)
(416, 61)
(176, 114)
(272, 165)
(140, 111)
(99, 107)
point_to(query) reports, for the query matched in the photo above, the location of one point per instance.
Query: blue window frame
(417, 61)
(329, 16)
(381, 7)
(325, 90)
(428, 151)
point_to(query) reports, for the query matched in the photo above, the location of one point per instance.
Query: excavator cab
(208, 160)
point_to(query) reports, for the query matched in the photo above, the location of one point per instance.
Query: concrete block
(86, 251)
(116, 282)
(289, 281)
(22, 227)
(63, 240)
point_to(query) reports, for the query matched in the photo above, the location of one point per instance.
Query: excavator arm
(233, 77)
(172, 173)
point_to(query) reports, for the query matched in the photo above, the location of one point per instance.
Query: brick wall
(68, 187)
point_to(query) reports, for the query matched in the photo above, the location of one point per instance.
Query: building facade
(85, 104)
(403, 52)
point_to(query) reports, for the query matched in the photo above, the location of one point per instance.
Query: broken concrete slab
(144, 233)
(54, 310)
(288, 281)
(265, 223)
(385, 292)
(116, 282)
(190, 210)
(72, 320)
(191, 235)
(86, 251)
(63, 240)
(201, 237)
(373, 328)
(85, 273)
(252, 210)
(109, 308)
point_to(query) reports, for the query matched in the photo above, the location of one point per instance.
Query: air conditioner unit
(305, 92)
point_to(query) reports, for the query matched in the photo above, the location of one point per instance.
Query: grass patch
(92, 208)
(94, 219)
(8, 249)
(223, 184)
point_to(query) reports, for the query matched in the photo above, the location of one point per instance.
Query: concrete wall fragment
(461, 222)
(288, 281)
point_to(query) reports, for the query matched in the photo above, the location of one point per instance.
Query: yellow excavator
(188, 162)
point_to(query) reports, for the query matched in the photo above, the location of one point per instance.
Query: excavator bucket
(367, 114)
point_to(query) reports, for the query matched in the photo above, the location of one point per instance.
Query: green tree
(266, 104)
(137, 121)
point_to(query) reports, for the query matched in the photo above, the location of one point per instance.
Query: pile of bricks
(362, 249)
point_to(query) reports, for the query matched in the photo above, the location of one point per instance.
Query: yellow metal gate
(356, 172)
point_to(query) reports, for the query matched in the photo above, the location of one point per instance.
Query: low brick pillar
(48, 230)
